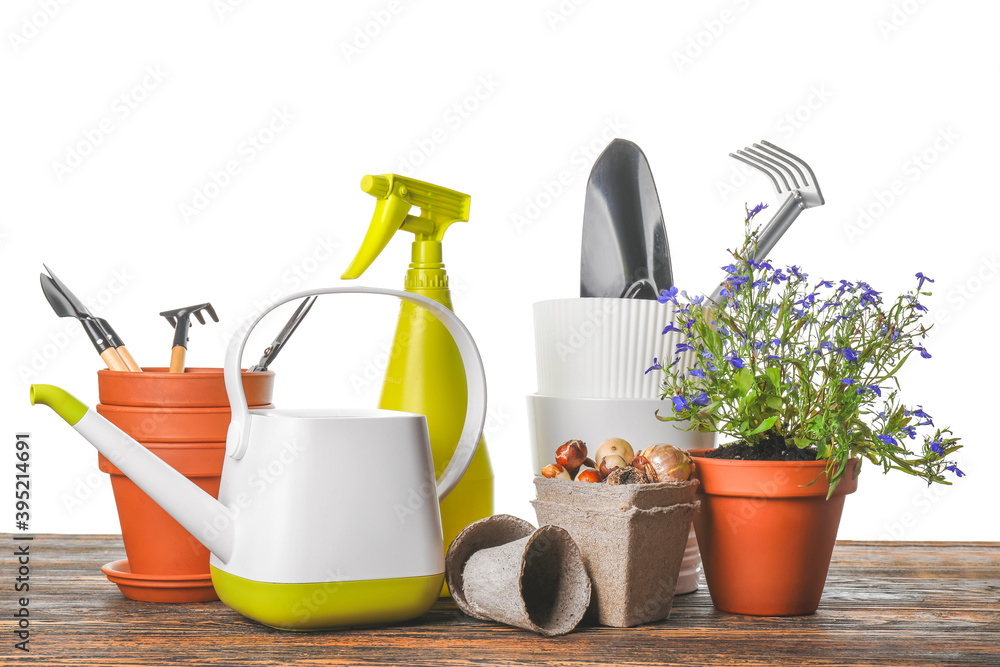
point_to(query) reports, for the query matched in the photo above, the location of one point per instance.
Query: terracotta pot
(168, 424)
(183, 419)
(199, 388)
(767, 532)
(154, 542)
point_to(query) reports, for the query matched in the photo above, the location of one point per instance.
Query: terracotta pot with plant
(801, 377)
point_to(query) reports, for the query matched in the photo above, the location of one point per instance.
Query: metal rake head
(184, 313)
(788, 173)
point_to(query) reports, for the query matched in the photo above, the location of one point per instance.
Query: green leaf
(745, 380)
(775, 403)
(774, 375)
(764, 425)
(802, 443)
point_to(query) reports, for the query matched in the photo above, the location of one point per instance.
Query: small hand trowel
(624, 252)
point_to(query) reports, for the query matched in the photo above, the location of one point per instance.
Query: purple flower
(923, 279)
(755, 210)
(735, 361)
(826, 345)
(807, 301)
(671, 327)
(655, 367)
(825, 283)
(684, 347)
(923, 353)
(700, 400)
(669, 295)
(844, 286)
(760, 265)
(725, 292)
(888, 439)
(875, 388)
(697, 372)
(731, 268)
(829, 304)
(937, 448)
(795, 270)
(778, 277)
(916, 304)
(848, 380)
(910, 431)
(680, 403)
(850, 354)
(869, 297)
(954, 469)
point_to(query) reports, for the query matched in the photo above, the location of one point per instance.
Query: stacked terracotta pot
(183, 419)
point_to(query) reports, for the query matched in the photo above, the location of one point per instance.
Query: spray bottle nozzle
(396, 195)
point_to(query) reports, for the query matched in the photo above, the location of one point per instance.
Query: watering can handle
(239, 428)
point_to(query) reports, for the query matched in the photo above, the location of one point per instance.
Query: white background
(497, 100)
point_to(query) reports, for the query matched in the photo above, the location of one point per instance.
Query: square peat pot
(632, 538)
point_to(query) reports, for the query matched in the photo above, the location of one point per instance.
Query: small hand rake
(180, 319)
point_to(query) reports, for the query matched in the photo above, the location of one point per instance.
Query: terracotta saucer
(160, 588)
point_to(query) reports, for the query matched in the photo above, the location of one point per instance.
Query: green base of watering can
(337, 604)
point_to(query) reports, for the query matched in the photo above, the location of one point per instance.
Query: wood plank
(885, 604)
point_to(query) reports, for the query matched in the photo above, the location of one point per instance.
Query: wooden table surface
(899, 603)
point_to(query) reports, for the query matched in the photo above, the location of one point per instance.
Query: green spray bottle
(424, 372)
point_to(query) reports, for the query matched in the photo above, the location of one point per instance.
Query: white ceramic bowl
(552, 420)
(601, 348)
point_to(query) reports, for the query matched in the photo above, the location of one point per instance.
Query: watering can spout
(208, 520)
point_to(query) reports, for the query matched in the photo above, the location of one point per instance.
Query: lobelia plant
(811, 366)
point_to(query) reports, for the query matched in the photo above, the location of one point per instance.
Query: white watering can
(300, 540)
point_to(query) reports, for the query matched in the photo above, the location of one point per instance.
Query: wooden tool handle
(177, 359)
(113, 361)
(127, 358)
